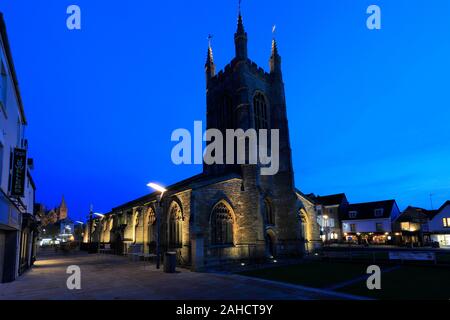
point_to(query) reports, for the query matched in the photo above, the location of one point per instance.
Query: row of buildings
(381, 222)
(55, 224)
(18, 226)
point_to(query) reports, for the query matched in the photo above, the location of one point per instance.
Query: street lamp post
(143, 231)
(158, 220)
(325, 223)
(101, 216)
(81, 224)
(90, 226)
(158, 225)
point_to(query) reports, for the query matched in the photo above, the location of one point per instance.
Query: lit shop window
(446, 222)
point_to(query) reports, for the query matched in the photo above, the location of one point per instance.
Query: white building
(16, 185)
(370, 222)
(439, 225)
(329, 209)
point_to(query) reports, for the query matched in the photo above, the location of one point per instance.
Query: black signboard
(19, 172)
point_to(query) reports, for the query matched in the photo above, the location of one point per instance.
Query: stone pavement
(107, 277)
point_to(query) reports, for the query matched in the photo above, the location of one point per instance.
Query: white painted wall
(12, 131)
(367, 225)
(11, 128)
(436, 225)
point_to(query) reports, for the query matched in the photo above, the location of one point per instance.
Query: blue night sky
(368, 110)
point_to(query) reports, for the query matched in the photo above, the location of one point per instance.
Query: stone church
(228, 212)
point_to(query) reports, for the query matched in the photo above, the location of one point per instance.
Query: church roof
(196, 181)
(366, 210)
(63, 203)
(331, 200)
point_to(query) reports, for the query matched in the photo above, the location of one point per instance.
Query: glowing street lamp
(99, 215)
(156, 187)
(162, 190)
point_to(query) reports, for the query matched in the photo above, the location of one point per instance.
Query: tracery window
(221, 225)
(175, 226)
(151, 225)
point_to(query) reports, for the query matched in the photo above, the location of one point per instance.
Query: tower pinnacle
(240, 38)
(210, 67)
(275, 59)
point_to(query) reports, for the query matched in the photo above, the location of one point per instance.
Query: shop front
(442, 239)
(368, 238)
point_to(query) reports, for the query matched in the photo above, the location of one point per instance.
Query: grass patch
(312, 274)
(405, 283)
(408, 282)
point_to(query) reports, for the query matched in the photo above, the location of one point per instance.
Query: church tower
(62, 209)
(244, 96)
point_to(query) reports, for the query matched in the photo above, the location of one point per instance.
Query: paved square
(113, 277)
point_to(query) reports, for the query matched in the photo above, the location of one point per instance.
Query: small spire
(274, 48)
(274, 41)
(275, 59)
(210, 58)
(240, 26)
(210, 36)
(63, 202)
(240, 37)
(210, 67)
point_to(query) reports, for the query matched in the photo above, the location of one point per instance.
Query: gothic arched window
(151, 225)
(269, 212)
(175, 226)
(260, 108)
(221, 225)
(136, 225)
